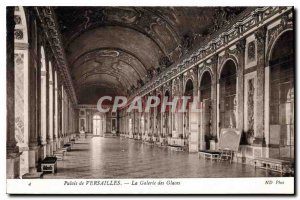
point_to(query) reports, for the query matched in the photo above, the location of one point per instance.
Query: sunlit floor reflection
(100, 157)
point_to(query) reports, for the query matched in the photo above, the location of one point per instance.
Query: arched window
(282, 70)
(188, 92)
(227, 98)
(205, 99)
(189, 88)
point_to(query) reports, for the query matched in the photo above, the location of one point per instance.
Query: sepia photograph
(150, 99)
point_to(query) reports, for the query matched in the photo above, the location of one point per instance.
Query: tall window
(228, 101)
(188, 92)
(205, 99)
(282, 98)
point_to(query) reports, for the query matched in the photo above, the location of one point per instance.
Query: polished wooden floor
(100, 157)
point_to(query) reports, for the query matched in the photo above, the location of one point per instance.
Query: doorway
(97, 125)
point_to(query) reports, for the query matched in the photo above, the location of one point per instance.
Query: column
(170, 119)
(12, 153)
(214, 101)
(55, 138)
(33, 101)
(180, 129)
(50, 116)
(61, 116)
(59, 112)
(160, 123)
(194, 118)
(43, 114)
(240, 47)
(260, 36)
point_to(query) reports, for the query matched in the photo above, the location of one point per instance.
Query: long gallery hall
(237, 62)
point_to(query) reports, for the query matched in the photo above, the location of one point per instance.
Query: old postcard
(150, 99)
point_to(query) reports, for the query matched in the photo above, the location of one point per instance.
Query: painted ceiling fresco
(115, 50)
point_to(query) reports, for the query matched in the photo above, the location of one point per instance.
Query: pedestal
(212, 145)
(49, 148)
(43, 151)
(259, 142)
(33, 162)
(24, 161)
(13, 165)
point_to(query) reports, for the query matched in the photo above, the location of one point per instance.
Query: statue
(82, 131)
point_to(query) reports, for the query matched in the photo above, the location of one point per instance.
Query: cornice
(248, 23)
(51, 29)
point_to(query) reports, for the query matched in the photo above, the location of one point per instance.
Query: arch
(230, 58)
(205, 86)
(281, 97)
(273, 41)
(227, 68)
(96, 116)
(285, 39)
(205, 78)
(206, 69)
(188, 92)
(189, 88)
(167, 93)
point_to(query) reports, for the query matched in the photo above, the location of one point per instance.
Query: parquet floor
(100, 157)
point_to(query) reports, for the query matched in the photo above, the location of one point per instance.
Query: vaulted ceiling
(114, 50)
